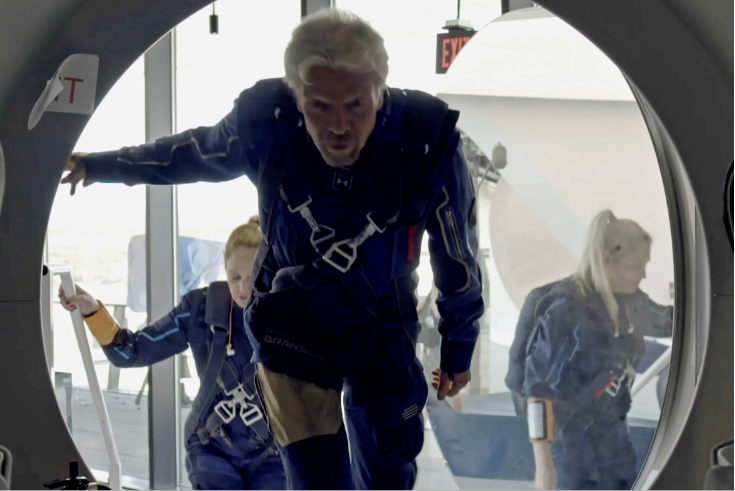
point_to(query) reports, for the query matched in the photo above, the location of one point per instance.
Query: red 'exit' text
(448, 46)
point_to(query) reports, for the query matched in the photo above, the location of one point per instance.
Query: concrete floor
(130, 429)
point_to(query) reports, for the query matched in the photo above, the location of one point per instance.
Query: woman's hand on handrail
(85, 302)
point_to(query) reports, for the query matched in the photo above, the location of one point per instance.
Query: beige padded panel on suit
(297, 409)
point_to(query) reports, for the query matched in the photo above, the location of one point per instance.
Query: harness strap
(298, 201)
(356, 283)
(425, 122)
(268, 116)
(208, 384)
(341, 254)
(309, 275)
(217, 308)
(240, 394)
(260, 255)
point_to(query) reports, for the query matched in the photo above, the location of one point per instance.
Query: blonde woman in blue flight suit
(229, 445)
(581, 363)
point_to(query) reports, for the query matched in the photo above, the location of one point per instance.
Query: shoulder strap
(265, 106)
(268, 115)
(217, 317)
(217, 309)
(428, 131)
(208, 383)
(427, 120)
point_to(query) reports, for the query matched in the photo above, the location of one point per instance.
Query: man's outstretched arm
(211, 154)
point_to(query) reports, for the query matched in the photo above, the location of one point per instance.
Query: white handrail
(658, 365)
(94, 386)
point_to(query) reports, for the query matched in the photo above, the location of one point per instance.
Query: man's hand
(77, 172)
(449, 387)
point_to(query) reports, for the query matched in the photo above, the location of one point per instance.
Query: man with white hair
(349, 175)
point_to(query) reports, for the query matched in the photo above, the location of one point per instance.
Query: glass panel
(100, 234)
(410, 29)
(575, 144)
(211, 71)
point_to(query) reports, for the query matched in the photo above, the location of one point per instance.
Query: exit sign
(448, 45)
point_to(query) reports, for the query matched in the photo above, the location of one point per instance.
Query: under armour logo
(342, 181)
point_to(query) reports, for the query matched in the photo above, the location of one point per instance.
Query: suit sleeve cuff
(456, 356)
(102, 166)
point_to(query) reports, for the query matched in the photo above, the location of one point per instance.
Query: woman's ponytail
(591, 273)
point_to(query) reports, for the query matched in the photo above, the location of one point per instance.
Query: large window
(576, 144)
(211, 71)
(96, 233)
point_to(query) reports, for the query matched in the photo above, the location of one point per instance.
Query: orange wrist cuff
(102, 326)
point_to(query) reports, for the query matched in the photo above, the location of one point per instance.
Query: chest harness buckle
(227, 408)
(342, 254)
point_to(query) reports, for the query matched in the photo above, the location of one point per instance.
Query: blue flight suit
(576, 361)
(325, 310)
(650, 319)
(239, 454)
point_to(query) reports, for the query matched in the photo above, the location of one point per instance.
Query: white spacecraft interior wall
(577, 144)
